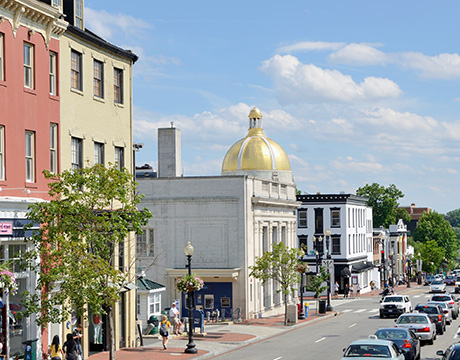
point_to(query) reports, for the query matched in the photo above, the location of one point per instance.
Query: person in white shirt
(174, 318)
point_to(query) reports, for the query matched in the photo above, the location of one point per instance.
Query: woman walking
(55, 350)
(164, 330)
(70, 348)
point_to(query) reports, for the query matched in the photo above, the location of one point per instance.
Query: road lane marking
(374, 310)
(347, 310)
(317, 341)
(360, 310)
(278, 358)
(417, 296)
(352, 325)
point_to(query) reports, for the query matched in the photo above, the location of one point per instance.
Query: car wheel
(431, 341)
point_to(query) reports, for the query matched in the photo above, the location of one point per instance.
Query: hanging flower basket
(189, 283)
(8, 281)
(303, 268)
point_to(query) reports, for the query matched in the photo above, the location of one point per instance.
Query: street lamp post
(409, 264)
(302, 285)
(327, 232)
(191, 349)
(317, 240)
(419, 270)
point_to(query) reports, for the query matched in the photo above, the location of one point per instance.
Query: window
(76, 153)
(98, 153)
(118, 86)
(120, 157)
(154, 304)
(335, 245)
(302, 218)
(98, 78)
(2, 152)
(275, 235)
(30, 156)
(303, 243)
(335, 218)
(145, 243)
(319, 221)
(52, 73)
(75, 72)
(56, 3)
(53, 148)
(79, 14)
(28, 51)
(1, 57)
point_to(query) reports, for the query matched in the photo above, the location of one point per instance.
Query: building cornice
(206, 273)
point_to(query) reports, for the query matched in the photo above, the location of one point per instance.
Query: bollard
(307, 309)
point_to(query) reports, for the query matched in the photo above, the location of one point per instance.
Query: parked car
(449, 280)
(429, 279)
(395, 305)
(404, 339)
(436, 314)
(451, 353)
(437, 286)
(420, 324)
(445, 309)
(373, 349)
(451, 300)
(457, 284)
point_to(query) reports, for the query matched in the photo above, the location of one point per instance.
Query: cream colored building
(95, 90)
(229, 219)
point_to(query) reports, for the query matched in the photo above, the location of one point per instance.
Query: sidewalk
(221, 337)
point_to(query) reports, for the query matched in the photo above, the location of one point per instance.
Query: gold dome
(255, 151)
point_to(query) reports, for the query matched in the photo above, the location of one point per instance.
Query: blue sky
(355, 92)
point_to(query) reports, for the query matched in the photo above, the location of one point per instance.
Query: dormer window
(56, 4)
(79, 14)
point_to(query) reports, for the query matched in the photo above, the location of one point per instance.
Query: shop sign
(6, 228)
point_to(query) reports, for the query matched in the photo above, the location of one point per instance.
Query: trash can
(322, 307)
(30, 352)
(307, 309)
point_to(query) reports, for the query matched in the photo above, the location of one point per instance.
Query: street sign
(328, 263)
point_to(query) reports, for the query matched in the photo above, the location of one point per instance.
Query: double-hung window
(303, 243)
(118, 86)
(28, 52)
(335, 245)
(30, 156)
(75, 70)
(76, 153)
(98, 78)
(302, 218)
(145, 243)
(53, 74)
(79, 14)
(2, 56)
(53, 148)
(335, 218)
(2, 152)
(119, 157)
(154, 304)
(98, 153)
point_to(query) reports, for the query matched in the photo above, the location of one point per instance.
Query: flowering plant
(189, 283)
(8, 281)
(303, 268)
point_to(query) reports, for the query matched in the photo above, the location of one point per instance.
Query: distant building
(349, 220)
(229, 219)
(415, 215)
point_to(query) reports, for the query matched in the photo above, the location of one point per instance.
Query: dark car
(452, 352)
(436, 314)
(449, 280)
(404, 339)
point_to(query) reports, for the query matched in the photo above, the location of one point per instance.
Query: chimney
(169, 152)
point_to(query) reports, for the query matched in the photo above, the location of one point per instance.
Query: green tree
(453, 217)
(280, 265)
(384, 202)
(317, 284)
(432, 256)
(77, 248)
(432, 226)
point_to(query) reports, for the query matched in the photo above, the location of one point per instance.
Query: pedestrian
(77, 335)
(352, 290)
(70, 348)
(164, 330)
(174, 318)
(55, 350)
(346, 291)
(358, 290)
(372, 284)
(336, 288)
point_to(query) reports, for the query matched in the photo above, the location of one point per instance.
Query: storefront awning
(361, 266)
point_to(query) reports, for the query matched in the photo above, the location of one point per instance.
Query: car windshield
(427, 309)
(412, 319)
(391, 334)
(455, 355)
(393, 299)
(437, 282)
(442, 304)
(440, 298)
(365, 350)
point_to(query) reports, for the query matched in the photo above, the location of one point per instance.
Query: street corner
(148, 353)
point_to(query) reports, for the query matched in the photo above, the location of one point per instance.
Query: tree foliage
(433, 226)
(432, 256)
(453, 217)
(78, 245)
(280, 265)
(384, 202)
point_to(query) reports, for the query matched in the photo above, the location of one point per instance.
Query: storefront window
(18, 328)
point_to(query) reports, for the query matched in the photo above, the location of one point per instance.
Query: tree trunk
(111, 331)
(285, 309)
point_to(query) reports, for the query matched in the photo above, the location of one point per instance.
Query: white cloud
(311, 46)
(298, 83)
(350, 165)
(442, 66)
(359, 54)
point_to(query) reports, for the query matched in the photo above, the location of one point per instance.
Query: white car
(420, 324)
(445, 309)
(438, 286)
(395, 305)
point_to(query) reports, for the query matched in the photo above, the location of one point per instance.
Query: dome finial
(255, 113)
(255, 119)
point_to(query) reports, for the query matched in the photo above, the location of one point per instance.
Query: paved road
(326, 339)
